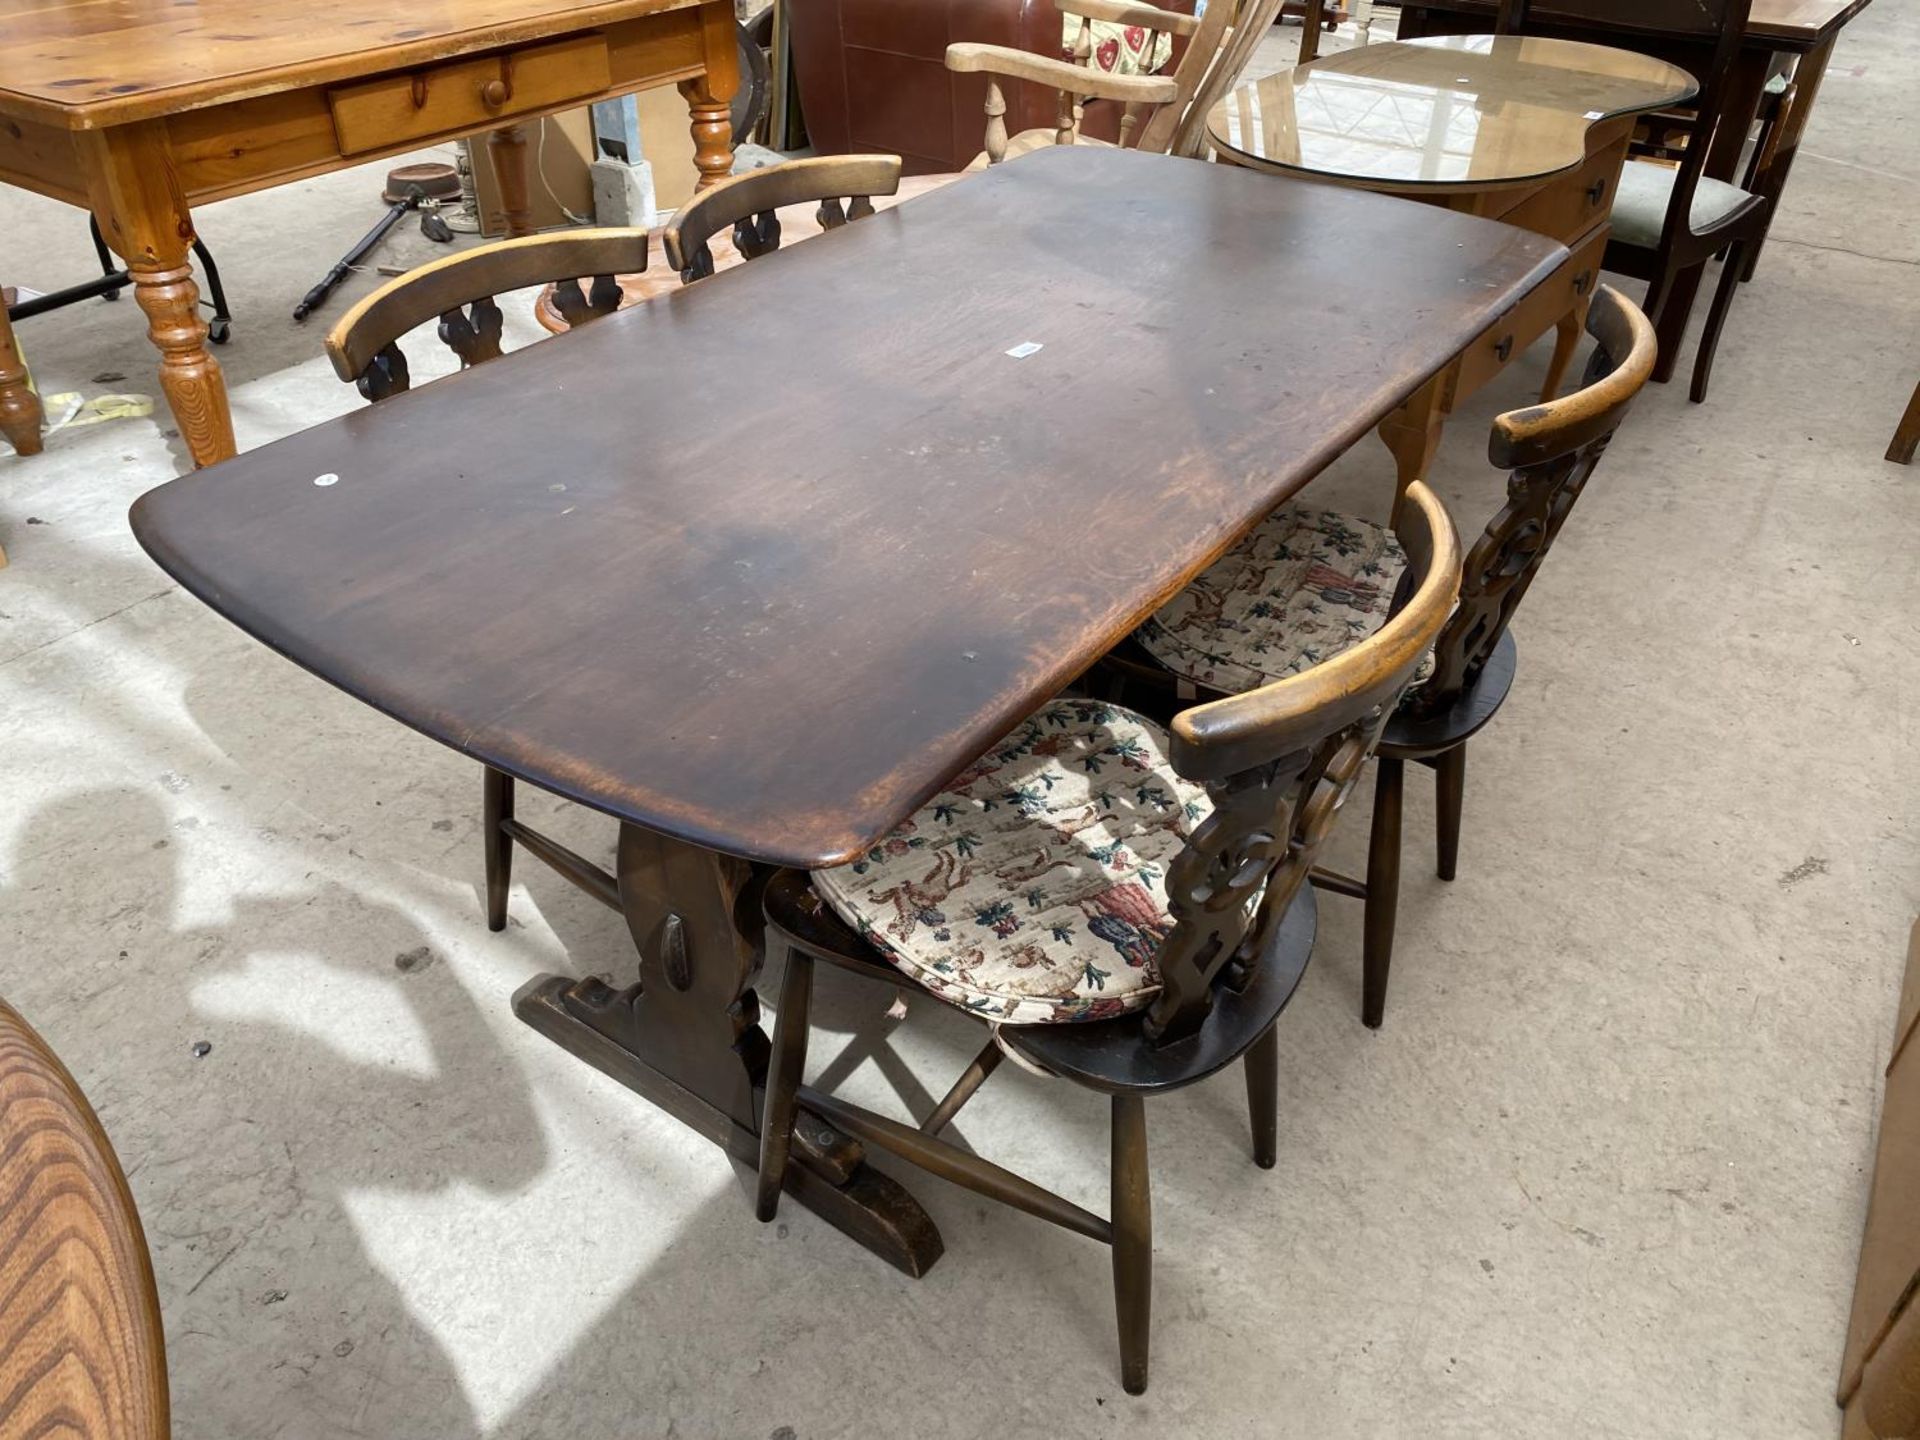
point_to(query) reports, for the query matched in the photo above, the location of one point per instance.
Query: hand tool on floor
(431, 226)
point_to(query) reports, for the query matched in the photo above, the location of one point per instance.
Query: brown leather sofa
(872, 76)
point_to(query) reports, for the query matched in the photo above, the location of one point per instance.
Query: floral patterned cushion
(1032, 890)
(1296, 592)
(1121, 49)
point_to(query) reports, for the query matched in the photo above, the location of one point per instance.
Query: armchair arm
(967, 58)
(1125, 12)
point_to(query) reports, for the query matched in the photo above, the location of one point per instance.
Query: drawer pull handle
(1502, 350)
(1596, 190)
(494, 94)
(1582, 281)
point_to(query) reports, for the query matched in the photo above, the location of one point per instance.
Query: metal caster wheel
(219, 331)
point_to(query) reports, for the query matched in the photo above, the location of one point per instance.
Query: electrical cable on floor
(540, 165)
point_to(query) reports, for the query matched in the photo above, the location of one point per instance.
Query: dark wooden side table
(979, 455)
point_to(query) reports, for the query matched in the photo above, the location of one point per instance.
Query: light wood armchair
(1165, 114)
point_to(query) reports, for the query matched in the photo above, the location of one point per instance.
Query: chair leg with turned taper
(1263, 1097)
(496, 808)
(1383, 890)
(1132, 1221)
(783, 1081)
(1450, 793)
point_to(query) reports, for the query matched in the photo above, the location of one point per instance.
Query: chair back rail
(842, 184)
(82, 1353)
(1551, 450)
(1278, 764)
(459, 289)
(1252, 19)
(1724, 21)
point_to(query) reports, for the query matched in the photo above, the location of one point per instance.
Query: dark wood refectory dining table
(991, 430)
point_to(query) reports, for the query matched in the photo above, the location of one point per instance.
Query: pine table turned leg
(712, 126)
(19, 406)
(190, 377)
(144, 217)
(507, 149)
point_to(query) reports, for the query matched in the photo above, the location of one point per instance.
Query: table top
(87, 63)
(761, 563)
(1790, 24)
(1455, 111)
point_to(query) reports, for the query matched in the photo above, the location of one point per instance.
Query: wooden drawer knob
(494, 94)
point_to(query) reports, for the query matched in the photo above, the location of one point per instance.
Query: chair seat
(1106, 1057)
(1412, 732)
(1296, 592)
(1032, 890)
(1645, 190)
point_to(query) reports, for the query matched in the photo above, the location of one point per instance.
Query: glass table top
(1472, 111)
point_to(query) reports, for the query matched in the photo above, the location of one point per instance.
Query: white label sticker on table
(1024, 349)
(327, 479)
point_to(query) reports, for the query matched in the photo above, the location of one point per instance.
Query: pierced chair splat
(1123, 905)
(1306, 585)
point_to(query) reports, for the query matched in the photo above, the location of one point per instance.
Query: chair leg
(1262, 1065)
(1671, 328)
(1383, 891)
(1132, 1209)
(1716, 317)
(783, 1081)
(496, 808)
(1450, 789)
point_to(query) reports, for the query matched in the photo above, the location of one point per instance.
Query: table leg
(1311, 24)
(1412, 434)
(1566, 340)
(144, 217)
(712, 126)
(1906, 436)
(1670, 314)
(507, 149)
(688, 1036)
(1738, 109)
(1807, 75)
(19, 406)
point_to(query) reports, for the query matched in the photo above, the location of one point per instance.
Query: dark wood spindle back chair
(844, 186)
(1233, 938)
(1668, 222)
(1550, 450)
(82, 1353)
(581, 266)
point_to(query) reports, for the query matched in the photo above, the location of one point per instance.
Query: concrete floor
(1602, 1173)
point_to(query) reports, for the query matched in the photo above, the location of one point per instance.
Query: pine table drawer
(462, 96)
